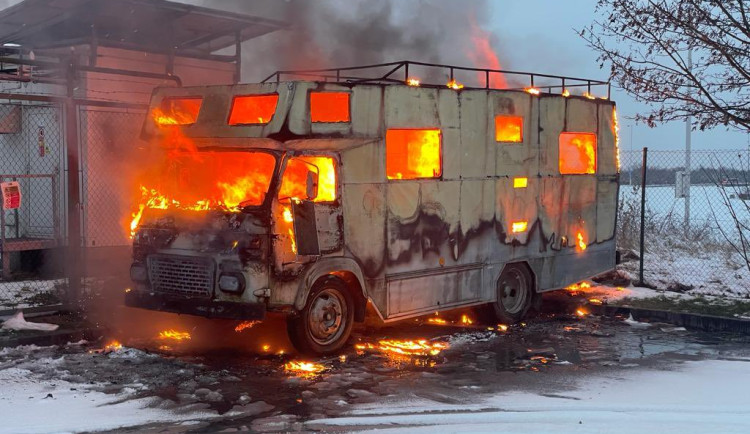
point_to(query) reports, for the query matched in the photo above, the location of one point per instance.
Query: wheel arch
(345, 269)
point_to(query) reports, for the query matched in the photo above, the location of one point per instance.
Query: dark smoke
(332, 33)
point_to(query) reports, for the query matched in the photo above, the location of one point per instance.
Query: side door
(309, 219)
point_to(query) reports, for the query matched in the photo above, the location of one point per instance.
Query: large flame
(483, 55)
(577, 153)
(616, 132)
(412, 154)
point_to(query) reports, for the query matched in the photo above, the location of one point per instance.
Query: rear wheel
(516, 297)
(324, 324)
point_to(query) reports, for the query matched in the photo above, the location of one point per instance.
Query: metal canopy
(146, 25)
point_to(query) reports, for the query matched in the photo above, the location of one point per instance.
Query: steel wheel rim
(512, 292)
(327, 316)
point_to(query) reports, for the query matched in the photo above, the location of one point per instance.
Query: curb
(45, 339)
(709, 323)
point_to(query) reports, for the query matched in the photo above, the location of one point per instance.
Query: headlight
(233, 282)
(138, 273)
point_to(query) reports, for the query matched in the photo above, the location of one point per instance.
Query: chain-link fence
(695, 228)
(111, 152)
(31, 234)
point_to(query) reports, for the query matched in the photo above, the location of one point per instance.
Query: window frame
(523, 122)
(596, 152)
(163, 105)
(348, 106)
(285, 164)
(440, 153)
(245, 124)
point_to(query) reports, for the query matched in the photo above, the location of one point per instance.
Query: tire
(324, 324)
(516, 295)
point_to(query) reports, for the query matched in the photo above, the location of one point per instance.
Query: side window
(253, 109)
(413, 154)
(294, 181)
(508, 129)
(577, 153)
(178, 111)
(329, 107)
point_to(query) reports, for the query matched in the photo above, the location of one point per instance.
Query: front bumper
(197, 307)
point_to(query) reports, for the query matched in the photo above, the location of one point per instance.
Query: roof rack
(528, 81)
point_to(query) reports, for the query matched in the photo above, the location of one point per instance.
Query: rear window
(329, 107)
(253, 109)
(577, 153)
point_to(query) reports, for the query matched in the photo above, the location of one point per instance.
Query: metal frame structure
(342, 75)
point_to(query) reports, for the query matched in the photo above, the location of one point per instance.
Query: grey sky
(539, 35)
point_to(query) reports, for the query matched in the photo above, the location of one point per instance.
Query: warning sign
(11, 194)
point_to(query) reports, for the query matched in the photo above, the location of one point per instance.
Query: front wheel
(324, 324)
(516, 295)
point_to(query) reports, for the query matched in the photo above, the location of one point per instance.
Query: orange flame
(113, 346)
(465, 320)
(532, 90)
(566, 93)
(421, 347)
(518, 227)
(437, 321)
(453, 84)
(483, 55)
(174, 335)
(304, 368)
(616, 132)
(413, 82)
(581, 246)
(245, 325)
(412, 154)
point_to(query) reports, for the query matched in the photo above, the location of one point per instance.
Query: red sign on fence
(11, 195)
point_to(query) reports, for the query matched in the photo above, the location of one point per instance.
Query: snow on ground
(698, 397)
(29, 405)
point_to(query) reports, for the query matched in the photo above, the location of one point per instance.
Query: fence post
(643, 212)
(73, 259)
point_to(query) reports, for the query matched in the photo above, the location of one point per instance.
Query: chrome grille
(186, 275)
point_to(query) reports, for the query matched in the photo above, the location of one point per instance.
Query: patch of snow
(637, 324)
(701, 396)
(18, 322)
(29, 405)
(21, 294)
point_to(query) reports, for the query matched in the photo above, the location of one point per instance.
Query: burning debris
(453, 84)
(304, 369)
(174, 335)
(112, 346)
(417, 348)
(244, 325)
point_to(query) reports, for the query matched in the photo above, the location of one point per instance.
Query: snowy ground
(696, 397)
(556, 371)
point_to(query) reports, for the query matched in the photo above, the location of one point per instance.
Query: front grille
(186, 275)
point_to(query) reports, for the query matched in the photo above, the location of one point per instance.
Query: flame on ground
(578, 286)
(245, 325)
(437, 321)
(113, 346)
(174, 335)
(465, 320)
(421, 347)
(304, 368)
(595, 301)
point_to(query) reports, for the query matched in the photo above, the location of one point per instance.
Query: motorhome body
(441, 199)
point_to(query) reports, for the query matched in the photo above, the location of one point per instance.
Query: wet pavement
(242, 374)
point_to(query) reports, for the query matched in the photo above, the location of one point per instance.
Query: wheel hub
(326, 316)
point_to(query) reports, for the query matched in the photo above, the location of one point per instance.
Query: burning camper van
(314, 197)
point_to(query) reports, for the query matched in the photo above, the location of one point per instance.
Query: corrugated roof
(145, 25)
